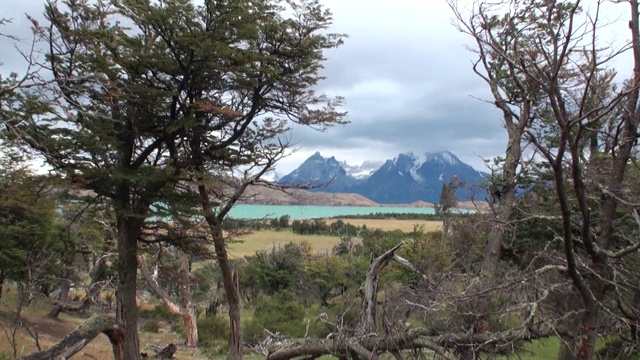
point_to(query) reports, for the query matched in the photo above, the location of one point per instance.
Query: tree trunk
(184, 292)
(65, 286)
(126, 305)
(230, 282)
(369, 302)
(190, 328)
(582, 345)
(185, 310)
(67, 265)
(70, 307)
(229, 276)
(506, 199)
(77, 340)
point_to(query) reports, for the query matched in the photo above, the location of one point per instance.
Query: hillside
(269, 196)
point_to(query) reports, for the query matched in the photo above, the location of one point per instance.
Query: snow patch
(415, 175)
(363, 171)
(447, 158)
(419, 160)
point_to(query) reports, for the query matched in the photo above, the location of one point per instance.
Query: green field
(266, 239)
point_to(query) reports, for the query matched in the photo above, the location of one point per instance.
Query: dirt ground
(50, 331)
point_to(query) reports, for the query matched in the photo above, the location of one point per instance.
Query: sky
(405, 73)
(406, 77)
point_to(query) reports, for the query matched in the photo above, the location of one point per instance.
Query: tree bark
(64, 306)
(126, 304)
(369, 320)
(230, 282)
(68, 255)
(185, 310)
(507, 195)
(229, 276)
(1, 283)
(78, 339)
(442, 345)
(190, 328)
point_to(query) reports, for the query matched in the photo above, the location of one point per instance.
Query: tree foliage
(142, 98)
(27, 222)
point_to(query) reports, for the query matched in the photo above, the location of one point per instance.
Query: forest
(135, 126)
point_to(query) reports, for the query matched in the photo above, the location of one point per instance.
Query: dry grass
(393, 224)
(264, 240)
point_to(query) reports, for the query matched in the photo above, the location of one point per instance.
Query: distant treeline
(303, 227)
(323, 226)
(398, 216)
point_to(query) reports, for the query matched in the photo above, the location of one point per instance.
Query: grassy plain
(265, 239)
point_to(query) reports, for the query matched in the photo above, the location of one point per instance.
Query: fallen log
(372, 345)
(78, 339)
(68, 306)
(166, 352)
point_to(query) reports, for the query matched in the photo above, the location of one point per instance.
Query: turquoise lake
(309, 211)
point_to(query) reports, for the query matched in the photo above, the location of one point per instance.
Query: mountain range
(404, 179)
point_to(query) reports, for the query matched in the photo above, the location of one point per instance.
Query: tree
(498, 41)
(26, 226)
(184, 307)
(327, 273)
(178, 93)
(448, 203)
(84, 230)
(548, 54)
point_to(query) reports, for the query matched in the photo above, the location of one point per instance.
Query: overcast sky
(405, 74)
(407, 80)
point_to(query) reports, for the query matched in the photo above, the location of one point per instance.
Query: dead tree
(184, 309)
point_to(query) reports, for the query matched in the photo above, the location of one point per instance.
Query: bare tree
(551, 58)
(498, 43)
(184, 308)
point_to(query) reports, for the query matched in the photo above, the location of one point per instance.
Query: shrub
(214, 329)
(279, 314)
(150, 326)
(213, 332)
(157, 312)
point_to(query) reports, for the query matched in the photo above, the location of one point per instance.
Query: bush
(150, 326)
(213, 333)
(279, 314)
(213, 329)
(157, 312)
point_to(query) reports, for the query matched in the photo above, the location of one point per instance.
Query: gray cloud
(405, 74)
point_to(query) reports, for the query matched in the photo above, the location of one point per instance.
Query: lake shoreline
(299, 212)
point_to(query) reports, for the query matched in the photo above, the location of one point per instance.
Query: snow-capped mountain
(410, 177)
(320, 174)
(362, 171)
(404, 179)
